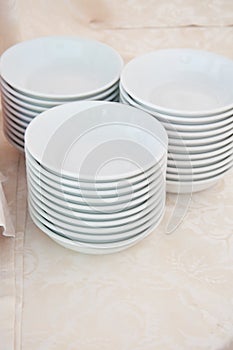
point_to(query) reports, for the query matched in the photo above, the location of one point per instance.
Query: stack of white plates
(191, 93)
(42, 73)
(96, 175)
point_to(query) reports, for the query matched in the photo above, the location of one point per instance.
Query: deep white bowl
(181, 82)
(101, 141)
(60, 67)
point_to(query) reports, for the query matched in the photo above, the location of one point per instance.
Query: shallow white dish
(37, 107)
(194, 186)
(89, 238)
(88, 227)
(202, 127)
(105, 186)
(46, 61)
(96, 204)
(18, 134)
(199, 176)
(64, 213)
(15, 119)
(204, 155)
(18, 144)
(202, 141)
(200, 149)
(28, 113)
(89, 248)
(175, 120)
(19, 115)
(91, 192)
(76, 224)
(201, 162)
(188, 82)
(199, 136)
(52, 103)
(202, 169)
(11, 123)
(131, 137)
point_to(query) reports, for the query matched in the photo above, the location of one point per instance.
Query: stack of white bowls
(42, 73)
(191, 93)
(96, 175)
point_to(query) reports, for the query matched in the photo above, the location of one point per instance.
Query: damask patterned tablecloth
(172, 291)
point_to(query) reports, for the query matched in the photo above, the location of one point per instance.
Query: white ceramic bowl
(52, 103)
(200, 162)
(34, 110)
(102, 186)
(76, 191)
(192, 186)
(181, 81)
(202, 169)
(83, 66)
(181, 121)
(97, 249)
(224, 147)
(14, 118)
(199, 149)
(96, 204)
(177, 139)
(100, 141)
(200, 176)
(88, 227)
(105, 219)
(42, 215)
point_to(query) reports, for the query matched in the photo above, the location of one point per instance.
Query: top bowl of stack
(54, 71)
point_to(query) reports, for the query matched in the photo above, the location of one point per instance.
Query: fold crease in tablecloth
(6, 225)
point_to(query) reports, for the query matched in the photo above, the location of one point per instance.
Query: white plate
(88, 238)
(105, 186)
(197, 156)
(196, 122)
(200, 136)
(201, 176)
(12, 124)
(200, 141)
(199, 149)
(96, 205)
(85, 67)
(25, 112)
(66, 214)
(12, 131)
(52, 103)
(77, 191)
(88, 227)
(92, 249)
(201, 162)
(203, 169)
(192, 187)
(22, 106)
(94, 210)
(17, 113)
(14, 119)
(99, 226)
(96, 198)
(14, 141)
(202, 127)
(188, 82)
(117, 141)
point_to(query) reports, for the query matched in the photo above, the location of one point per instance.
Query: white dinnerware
(190, 93)
(96, 175)
(54, 71)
